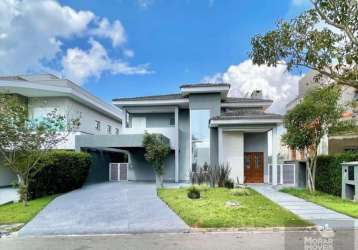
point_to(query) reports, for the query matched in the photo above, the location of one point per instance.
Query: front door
(254, 167)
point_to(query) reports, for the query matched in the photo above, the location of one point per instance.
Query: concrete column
(176, 117)
(124, 125)
(275, 148)
(220, 146)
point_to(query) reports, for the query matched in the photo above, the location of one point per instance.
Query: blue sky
(123, 48)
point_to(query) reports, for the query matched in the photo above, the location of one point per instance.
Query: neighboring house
(44, 93)
(332, 143)
(203, 125)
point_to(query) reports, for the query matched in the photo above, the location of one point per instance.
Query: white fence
(286, 174)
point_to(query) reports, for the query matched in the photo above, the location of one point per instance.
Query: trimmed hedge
(329, 172)
(64, 171)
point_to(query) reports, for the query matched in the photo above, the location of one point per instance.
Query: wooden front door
(254, 167)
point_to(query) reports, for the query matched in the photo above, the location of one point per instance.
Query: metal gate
(118, 171)
(286, 174)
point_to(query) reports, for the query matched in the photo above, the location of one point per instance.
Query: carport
(127, 147)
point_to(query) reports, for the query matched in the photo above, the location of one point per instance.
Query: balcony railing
(169, 132)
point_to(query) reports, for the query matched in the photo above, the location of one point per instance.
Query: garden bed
(212, 211)
(335, 203)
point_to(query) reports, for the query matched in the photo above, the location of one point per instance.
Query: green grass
(210, 212)
(335, 203)
(17, 213)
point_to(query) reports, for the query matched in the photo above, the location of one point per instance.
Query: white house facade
(44, 93)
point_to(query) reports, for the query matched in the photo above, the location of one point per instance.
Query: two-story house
(333, 143)
(45, 92)
(203, 125)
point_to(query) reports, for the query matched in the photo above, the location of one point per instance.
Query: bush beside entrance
(329, 172)
(64, 171)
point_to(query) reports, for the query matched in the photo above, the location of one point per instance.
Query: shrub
(229, 184)
(64, 171)
(199, 177)
(329, 172)
(240, 191)
(193, 193)
(223, 174)
(217, 175)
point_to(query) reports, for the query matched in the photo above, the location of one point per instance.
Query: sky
(126, 48)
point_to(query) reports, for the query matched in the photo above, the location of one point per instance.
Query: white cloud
(128, 53)
(114, 31)
(275, 82)
(301, 2)
(30, 31)
(33, 34)
(78, 65)
(145, 3)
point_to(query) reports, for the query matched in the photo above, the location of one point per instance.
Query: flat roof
(200, 85)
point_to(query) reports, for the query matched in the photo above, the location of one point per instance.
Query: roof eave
(150, 102)
(219, 122)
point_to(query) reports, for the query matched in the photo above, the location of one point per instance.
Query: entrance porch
(246, 151)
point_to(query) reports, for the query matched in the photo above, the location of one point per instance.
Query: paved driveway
(105, 209)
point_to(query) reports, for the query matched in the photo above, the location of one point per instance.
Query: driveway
(107, 208)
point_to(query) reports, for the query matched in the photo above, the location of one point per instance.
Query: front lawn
(17, 213)
(335, 203)
(210, 211)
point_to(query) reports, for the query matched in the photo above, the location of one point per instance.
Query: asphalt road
(168, 241)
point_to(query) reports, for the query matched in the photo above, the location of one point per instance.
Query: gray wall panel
(141, 170)
(184, 145)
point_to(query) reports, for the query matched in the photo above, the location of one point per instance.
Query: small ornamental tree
(308, 122)
(324, 39)
(156, 151)
(25, 142)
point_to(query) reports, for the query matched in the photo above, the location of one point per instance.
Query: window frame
(98, 125)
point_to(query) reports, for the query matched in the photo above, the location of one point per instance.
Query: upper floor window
(139, 122)
(98, 125)
(172, 121)
(109, 129)
(200, 138)
(117, 131)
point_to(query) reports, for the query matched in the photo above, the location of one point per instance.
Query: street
(210, 240)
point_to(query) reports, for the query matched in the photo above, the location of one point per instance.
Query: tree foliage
(324, 39)
(25, 141)
(309, 121)
(156, 151)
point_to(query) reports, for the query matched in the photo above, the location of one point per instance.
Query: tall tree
(324, 39)
(309, 121)
(156, 151)
(24, 142)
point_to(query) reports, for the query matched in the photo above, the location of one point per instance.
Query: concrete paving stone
(307, 210)
(106, 208)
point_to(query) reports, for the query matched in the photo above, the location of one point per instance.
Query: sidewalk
(8, 195)
(309, 211)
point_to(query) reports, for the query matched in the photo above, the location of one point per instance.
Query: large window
(200, 138)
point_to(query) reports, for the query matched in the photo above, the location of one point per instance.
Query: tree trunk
(159, 180)
(23, 189)
(310, 165)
